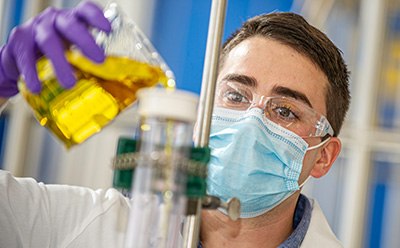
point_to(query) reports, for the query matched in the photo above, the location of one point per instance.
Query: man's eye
(235, 97)
(285, 113)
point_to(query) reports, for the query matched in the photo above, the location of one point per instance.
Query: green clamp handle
(196, 183)
(123, 177)
(196, 168)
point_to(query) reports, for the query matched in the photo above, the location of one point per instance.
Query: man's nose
(258, 102)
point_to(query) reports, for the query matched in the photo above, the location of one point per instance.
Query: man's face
(275, 69)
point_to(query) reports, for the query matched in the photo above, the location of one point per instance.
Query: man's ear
(328, 155)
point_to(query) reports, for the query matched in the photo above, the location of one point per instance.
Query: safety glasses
(287, 112)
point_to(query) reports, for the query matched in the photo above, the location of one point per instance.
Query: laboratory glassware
(102, 90)
(158, 203)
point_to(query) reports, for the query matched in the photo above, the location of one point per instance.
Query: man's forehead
(241, 49)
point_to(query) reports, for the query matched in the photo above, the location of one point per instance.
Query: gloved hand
(49, 34)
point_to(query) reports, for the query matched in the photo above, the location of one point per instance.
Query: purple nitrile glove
(49, 34)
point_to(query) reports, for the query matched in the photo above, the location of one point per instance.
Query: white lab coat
(36, 215)
(319, 234)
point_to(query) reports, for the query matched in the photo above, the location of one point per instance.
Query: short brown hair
(293, 30)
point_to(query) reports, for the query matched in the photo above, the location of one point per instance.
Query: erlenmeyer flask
(102, 90)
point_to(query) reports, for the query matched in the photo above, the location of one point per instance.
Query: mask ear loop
(312, 148)
(304, 182)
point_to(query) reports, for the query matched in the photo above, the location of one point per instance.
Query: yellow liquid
(102, 91)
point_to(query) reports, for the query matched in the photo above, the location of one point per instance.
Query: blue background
(180, 32)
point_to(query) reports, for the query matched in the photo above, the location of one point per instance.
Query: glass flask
(102, 90)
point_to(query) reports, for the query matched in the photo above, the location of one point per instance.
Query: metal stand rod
(191, 227)
(210, 71)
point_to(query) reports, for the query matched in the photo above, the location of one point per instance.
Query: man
(281, 65)
(279, 77)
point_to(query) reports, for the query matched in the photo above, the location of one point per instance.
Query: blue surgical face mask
(253, 159)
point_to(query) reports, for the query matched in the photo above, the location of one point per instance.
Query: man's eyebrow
(284, 91)
(240, 78)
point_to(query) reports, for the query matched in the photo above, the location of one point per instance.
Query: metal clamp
(232, 206)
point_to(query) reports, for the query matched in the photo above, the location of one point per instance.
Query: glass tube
(159, 201)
